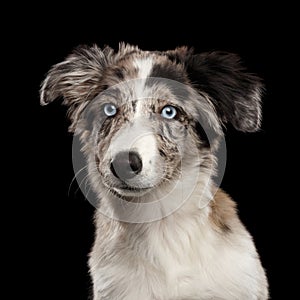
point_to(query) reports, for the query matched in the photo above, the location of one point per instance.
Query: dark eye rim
(181, 115)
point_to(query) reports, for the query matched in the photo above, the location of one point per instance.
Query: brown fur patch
(223, 211)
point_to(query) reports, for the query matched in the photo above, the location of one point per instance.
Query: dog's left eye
(110, 109)
(169, 112)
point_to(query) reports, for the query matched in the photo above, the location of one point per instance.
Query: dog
(150, 124)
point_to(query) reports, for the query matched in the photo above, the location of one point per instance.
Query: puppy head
(146, 117)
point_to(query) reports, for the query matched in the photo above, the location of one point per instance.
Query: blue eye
(169, 112)
(110, 109)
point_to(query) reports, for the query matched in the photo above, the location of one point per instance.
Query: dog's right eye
(110, 109)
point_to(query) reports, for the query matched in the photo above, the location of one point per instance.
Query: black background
(57, 226)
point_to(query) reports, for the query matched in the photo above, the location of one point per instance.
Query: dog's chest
(163, 261)
(183, 252)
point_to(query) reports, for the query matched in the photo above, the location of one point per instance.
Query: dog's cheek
(169, 157)
(204, 137)
(101, 150)
(171, 142)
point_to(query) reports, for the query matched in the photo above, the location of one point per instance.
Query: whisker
(74, 177)
(84, 180)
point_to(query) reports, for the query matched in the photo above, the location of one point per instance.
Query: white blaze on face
(145, 142)
(145, 145)
(144, 67)
(138, 135)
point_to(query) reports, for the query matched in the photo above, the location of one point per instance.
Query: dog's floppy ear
(235, 93)
(76, 79)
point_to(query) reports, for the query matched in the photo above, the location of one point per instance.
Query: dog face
(145, 117)
(141, 132)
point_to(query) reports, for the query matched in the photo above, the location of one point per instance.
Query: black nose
(126, 165)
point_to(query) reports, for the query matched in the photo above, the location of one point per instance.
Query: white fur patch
(144, 66)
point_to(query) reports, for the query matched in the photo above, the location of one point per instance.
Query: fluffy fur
(185, 250)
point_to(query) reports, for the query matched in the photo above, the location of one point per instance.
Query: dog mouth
(131, 188)
(124, 188)
(127, 190)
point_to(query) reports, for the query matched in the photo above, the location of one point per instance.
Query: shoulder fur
(223, 211)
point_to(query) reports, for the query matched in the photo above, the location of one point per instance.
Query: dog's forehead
(145, 75)
(144, 64)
